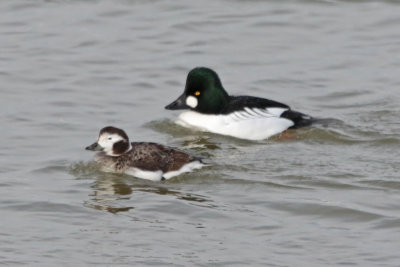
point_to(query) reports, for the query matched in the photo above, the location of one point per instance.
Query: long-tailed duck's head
(112, 141)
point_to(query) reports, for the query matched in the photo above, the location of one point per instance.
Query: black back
(238, 103)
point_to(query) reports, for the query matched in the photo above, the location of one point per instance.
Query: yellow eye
(197, 93)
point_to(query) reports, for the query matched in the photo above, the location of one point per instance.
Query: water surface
(328, 196)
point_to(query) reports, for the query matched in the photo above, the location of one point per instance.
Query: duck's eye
(197, 93)
(109, 138)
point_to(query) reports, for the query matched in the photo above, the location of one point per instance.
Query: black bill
(94, 147)
(180, 103)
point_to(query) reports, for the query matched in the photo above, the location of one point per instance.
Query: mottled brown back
(153, 157)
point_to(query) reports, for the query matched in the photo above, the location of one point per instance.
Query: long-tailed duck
(140, 159)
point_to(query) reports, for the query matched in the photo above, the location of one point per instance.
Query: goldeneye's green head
(203, 93)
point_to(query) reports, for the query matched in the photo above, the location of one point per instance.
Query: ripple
(115, 13)
(147, 85)
(53, 166)
(86, 170)
(51, 169)
(25, 5)
(335, 96)
(326, 136)
(385, 141)
(340, 213)
(47, 207)
(387, 223)
(391, 185)
(331, 185)
(88, 43)
(267, 184)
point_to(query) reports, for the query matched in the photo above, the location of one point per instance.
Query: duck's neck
(215, 102)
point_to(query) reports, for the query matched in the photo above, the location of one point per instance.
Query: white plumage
(251, 124)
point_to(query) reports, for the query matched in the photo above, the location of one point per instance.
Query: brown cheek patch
(120, 147)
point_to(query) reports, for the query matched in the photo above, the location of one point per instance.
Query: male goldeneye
(140, 159)
(245, 117)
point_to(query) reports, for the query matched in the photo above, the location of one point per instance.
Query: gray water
(325, 196)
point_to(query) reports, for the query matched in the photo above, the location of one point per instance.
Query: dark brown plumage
(154, 157)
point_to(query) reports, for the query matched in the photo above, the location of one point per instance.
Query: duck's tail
(302, 120)
(299, 119)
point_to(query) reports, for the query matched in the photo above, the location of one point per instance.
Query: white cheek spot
(191, 101)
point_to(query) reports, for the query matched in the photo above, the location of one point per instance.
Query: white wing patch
(256, 113)
(251, 124)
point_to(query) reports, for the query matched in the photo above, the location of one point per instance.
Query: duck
(143, 160)
(210, 108)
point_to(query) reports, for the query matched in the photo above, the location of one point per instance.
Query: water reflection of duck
(107, 192)
(113, 192)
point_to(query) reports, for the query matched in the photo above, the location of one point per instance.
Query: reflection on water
(109, 194)
(116, 192)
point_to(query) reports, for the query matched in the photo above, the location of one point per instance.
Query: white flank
(185, 168)
(191, 101)
(157, 175)
(250, 124)
(148, 175)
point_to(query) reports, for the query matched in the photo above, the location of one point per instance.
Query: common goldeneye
(140, 159)
(247, 117)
